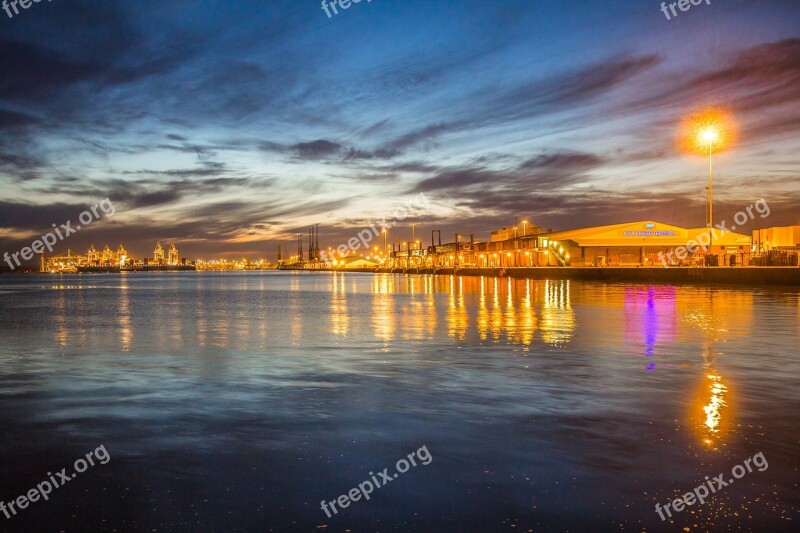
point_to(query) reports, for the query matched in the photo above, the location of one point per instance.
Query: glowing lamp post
(708, 137)
(709, 131)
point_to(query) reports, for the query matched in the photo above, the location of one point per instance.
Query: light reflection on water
(716, 403)
(551, 403)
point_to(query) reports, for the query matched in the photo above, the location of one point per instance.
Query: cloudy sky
(229, 125)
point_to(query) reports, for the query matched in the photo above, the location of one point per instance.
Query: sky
(229, 126)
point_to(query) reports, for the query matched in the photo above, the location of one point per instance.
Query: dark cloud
(13, 120)
(22, 216)
(561, 161)
(203, 152)
(323, 149)
(762, 76)
(565, 90)
(416, 167)
(129, 195)
(459, 179)
(269, 146)
(19, 161)
(374, 128)
(423, 136)
(381, 153)
(155, 194)
(319, 149)
(557, 169)
(150, 199)
(31, 72)
(376, 177)
(779, 126)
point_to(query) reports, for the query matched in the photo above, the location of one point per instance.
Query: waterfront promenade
(749, 276)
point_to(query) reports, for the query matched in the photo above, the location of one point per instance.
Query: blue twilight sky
(228, 126)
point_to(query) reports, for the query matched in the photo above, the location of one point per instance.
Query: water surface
(239, 401)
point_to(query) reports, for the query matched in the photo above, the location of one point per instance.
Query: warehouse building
(646, 243)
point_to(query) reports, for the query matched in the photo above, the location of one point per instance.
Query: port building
(640, 243)
(777, 238)
(645, 243)
(777, 246)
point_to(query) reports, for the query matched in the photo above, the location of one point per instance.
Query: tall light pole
(706, 132)
(412, 231)
(708, 136)
(385, 248)
(524, 227)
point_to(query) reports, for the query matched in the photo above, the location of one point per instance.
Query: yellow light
(713, 423)
(709, 135)
(707, 129)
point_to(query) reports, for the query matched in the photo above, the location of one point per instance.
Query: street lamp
(706, 132)
(524, 227)
(385, 249)
(708, 137)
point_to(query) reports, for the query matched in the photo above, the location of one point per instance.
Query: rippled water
(239, 401)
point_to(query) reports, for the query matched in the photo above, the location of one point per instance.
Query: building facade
(641, 243)
(649, 243)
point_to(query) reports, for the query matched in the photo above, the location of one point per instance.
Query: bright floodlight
(709, 135)
(711, 129)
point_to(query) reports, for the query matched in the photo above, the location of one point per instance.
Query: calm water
(239, 401)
